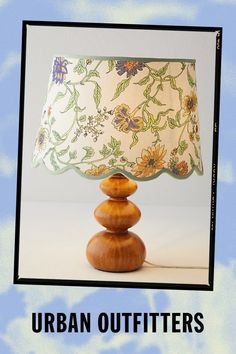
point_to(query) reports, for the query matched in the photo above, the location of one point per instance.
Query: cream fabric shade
(107, 115)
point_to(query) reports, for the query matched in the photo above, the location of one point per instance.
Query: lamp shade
(136, 116)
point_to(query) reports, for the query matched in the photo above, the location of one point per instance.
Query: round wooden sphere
(116, 252)
(117, 214)
(118, 186)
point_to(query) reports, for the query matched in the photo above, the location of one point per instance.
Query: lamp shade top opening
(134, 116)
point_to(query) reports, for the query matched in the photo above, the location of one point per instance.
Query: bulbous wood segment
(116, 252)
(117, 215)
(118, 186)
(116, 249)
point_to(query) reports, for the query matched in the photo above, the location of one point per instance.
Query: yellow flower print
(190, 103)
(151, 160)
(98, 170)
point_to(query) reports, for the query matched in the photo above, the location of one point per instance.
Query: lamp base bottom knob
(116, 251)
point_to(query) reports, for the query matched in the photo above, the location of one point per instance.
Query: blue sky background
(18, 302)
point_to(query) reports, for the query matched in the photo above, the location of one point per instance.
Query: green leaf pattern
(97, 94)
(111, 115)
(121, 86)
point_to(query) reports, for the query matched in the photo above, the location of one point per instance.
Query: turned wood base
(116, 249)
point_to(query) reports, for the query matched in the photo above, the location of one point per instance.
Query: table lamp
(120, 119)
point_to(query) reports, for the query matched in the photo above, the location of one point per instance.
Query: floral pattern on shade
(142, 124)
(124, 121)
(151, 160)
(41, 139)
(130, 67)
(59, 70)
(97, 171)
(181, 168)
(190, 103)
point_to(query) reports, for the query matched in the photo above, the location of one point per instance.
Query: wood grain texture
(116, 252)
(118, 186)
(117, 249)
(117, 215)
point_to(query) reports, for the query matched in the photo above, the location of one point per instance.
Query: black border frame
(118, 284)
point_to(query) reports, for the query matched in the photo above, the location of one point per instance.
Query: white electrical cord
(173, 266)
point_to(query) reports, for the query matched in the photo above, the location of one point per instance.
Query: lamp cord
(177, 267)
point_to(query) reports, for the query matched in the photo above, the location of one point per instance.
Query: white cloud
(130, 11)
(3, 2)
(6, 254)
(7, 165)
(22, 340)
(218, 336)
(36, 297)
(226, 172)
(217, 308)
(10, 61)
(225, 2)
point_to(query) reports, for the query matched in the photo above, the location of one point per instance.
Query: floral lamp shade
(136, 116)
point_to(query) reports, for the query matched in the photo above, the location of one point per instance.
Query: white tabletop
(54, 236)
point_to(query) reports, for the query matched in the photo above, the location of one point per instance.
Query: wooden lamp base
(116, 249)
